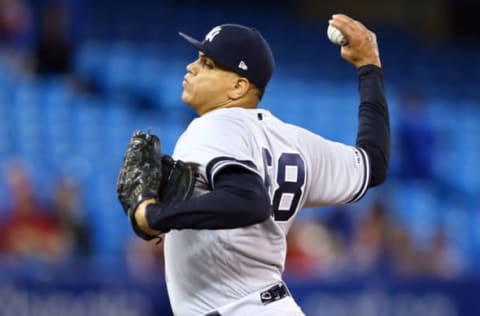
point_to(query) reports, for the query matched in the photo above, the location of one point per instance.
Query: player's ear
(239, 88)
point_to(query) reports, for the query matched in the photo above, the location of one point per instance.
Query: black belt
(273, 294)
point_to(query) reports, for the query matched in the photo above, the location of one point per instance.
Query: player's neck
(239, 103)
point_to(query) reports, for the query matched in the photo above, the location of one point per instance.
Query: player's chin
(187, 98)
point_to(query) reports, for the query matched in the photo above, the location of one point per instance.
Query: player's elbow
(378, 164)
(378, 177)
(249, 201)
(261, 205)
(252, 205)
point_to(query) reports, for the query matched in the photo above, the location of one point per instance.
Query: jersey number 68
(290, 178)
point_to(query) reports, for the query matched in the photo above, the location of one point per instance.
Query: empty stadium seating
(58, 129)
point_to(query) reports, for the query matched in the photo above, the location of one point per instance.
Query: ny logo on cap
(214, 32)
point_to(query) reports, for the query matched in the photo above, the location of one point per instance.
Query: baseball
(335, 36)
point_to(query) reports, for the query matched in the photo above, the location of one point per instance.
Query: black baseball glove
(146, 174)
(140, 175)
(178, 180)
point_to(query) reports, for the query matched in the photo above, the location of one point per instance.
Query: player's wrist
(373, 60)
(140, 217)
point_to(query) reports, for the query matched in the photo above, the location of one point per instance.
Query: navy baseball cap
(240, 49)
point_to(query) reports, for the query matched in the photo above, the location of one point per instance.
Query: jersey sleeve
(216, 142)
(339, 174)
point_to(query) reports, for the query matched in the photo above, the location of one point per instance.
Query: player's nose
(191, 68)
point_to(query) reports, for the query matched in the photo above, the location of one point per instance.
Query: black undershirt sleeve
(239, 199)
(373, 134)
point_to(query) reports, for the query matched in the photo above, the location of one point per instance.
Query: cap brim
(195, 43)
(199, 45)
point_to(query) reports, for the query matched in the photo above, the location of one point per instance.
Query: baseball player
(225, 246)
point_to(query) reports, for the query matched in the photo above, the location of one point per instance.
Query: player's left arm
(238, 198)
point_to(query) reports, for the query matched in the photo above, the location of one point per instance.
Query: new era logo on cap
(240, 49)
(242, 65)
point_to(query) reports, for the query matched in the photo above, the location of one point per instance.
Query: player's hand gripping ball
(335, 36)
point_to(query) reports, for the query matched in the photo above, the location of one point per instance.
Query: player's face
(205, 86)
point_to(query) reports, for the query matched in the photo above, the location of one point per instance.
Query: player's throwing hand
(362, 47)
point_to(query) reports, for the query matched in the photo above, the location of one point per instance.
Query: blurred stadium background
(78, 76)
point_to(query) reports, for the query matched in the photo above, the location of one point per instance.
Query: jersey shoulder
(217, 123)
(221, 133)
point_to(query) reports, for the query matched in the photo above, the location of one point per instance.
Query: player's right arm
(374, 126)
(344, 173)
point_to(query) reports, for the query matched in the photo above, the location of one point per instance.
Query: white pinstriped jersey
(206, 269)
